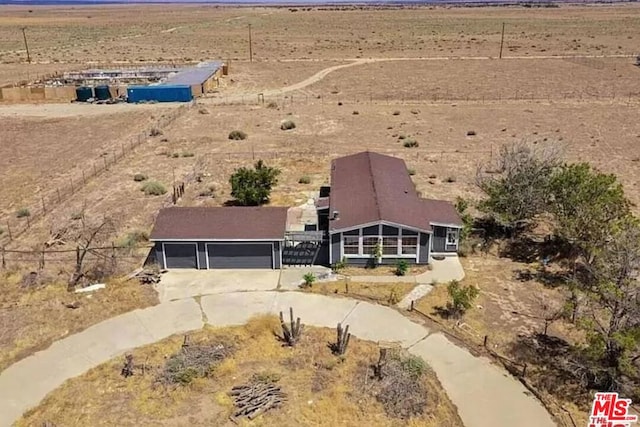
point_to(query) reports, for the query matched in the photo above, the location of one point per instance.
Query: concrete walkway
(486, 396)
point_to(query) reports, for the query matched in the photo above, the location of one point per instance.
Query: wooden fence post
(486, 337)
(524, 370)
(84, 179)
(9, 231)
(58, 191)
(411, 308)
(44, 208)
(71, 181)
(4, 263)
(41, 265)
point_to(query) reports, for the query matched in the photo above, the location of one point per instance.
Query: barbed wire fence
(11, 228)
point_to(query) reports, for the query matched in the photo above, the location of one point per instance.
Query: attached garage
(220, 237)
(240, 255)
(180, 255)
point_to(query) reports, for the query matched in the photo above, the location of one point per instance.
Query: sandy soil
(102, 34)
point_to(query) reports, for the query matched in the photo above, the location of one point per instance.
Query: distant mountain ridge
(305, 2)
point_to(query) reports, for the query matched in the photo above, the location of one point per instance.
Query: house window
(369, 245)
(409, 245)
(389, 246)
(351, 245)
(452, 236)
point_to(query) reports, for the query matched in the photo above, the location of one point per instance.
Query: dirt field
(322, 390)
(101, 34)
(587, 105)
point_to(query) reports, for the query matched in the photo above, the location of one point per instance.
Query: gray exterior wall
(202, 256)
(425, 247)
(336, 256)
(440, 240)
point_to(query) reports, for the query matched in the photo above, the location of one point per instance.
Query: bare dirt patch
(321, 389)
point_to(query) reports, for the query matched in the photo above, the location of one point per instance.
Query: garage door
(240, 255)
(180, 255)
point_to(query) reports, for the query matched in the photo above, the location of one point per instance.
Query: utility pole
(502, 40)
(250, 46)
(26, 45)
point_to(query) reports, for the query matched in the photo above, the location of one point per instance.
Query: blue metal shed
(164, 93)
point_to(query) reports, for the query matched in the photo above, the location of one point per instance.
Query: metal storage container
(102, 93)
(160, 93)
(83, 93)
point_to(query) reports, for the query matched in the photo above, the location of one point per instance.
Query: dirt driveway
(180, 284)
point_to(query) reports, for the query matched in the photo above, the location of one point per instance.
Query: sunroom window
(351, 245)
(409, 245)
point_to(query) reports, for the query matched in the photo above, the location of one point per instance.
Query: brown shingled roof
(370, 187)
(220, 223)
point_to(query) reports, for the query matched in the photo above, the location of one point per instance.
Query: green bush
(23, 213)
(450, 179)
(287, 125)
(272, 105)
(175, 155)
(252, 187)
(305, 179)
(139, 177)
(77, 216)
(462, 298)
(153, 188)
(414, 365)
(411, 172)
(401, 267)
(410, 143)
(187, 154)
(340, 265)
(396, 113)
(237, 135)
(308, 278)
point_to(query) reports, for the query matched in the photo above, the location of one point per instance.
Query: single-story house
(370, 212)
(373, 212)
(219, 237)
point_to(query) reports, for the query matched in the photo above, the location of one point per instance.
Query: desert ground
(351, 79)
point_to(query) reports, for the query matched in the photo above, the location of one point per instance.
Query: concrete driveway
(185, 283)
(485, 394)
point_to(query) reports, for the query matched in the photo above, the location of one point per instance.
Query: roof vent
(336, 215)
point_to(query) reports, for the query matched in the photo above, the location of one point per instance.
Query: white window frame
(455, 233)
(361, 251)
(358, 244)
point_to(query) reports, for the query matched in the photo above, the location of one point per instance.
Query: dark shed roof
(370, 187)
(220, 223)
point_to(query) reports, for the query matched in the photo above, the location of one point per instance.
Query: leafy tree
(586, 205)
(612, 315)
(467, 220)
(517, 186)
(461, 298)
(252, 187)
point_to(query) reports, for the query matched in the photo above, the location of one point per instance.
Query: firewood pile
(256, 398)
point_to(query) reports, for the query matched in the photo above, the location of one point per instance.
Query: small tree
(401, 267)
(516, 187)
(252, 187)
(586, 205)
(461, 298)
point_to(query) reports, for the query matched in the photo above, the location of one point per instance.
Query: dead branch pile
(398, 384)
(192, 362)
(256, 398)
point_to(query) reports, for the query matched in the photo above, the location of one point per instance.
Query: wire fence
(12, 227)
(304, 97)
